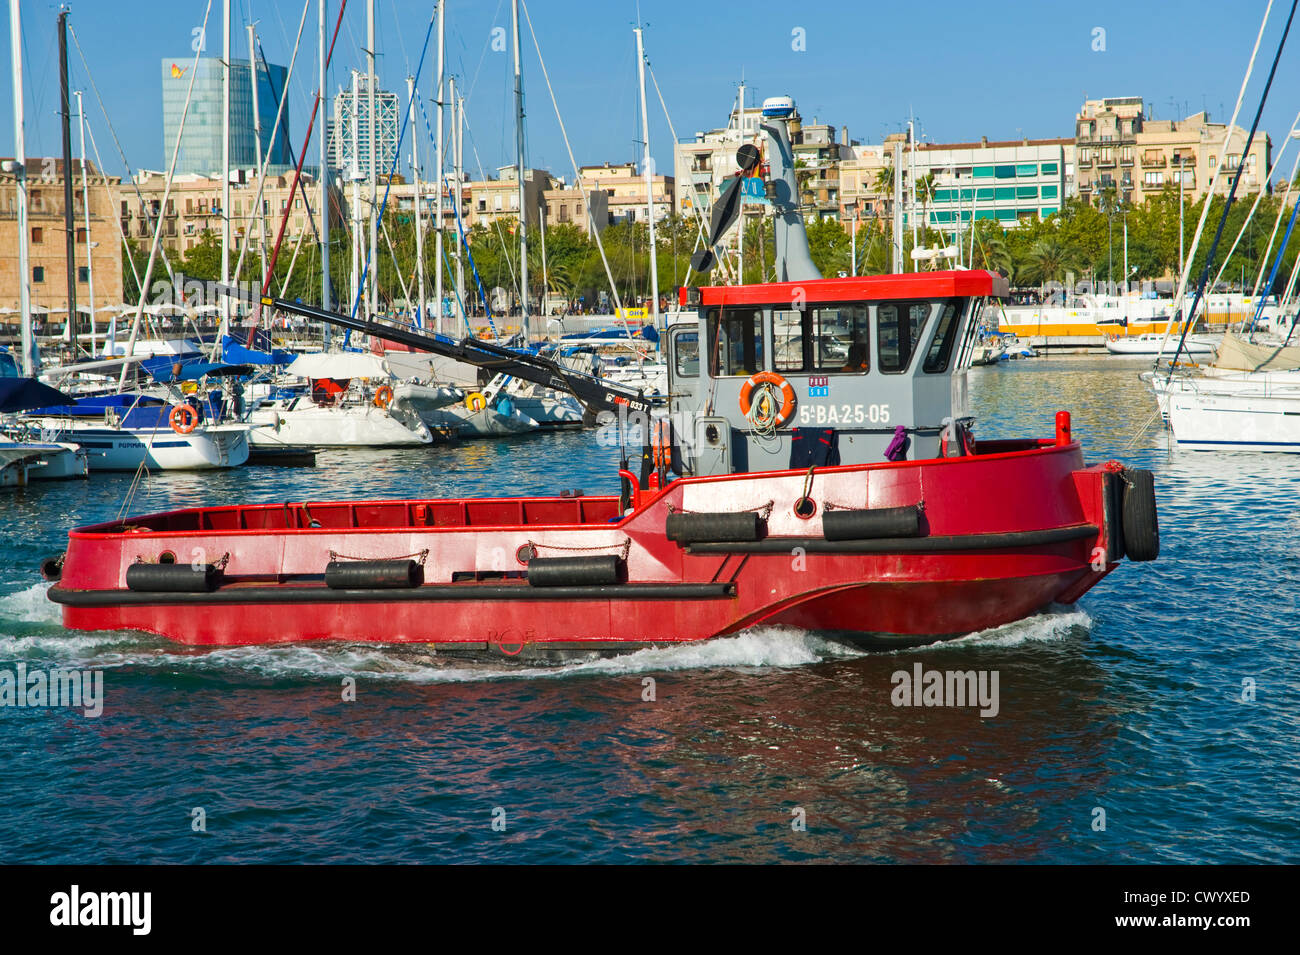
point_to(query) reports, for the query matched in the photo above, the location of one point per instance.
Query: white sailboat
(348, 405)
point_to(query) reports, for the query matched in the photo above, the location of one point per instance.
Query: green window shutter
(1026, 192)
(983, 172)
(1027, 169)
(1049, 192)
(1004, 172)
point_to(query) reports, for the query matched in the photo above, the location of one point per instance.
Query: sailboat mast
(85, 210)
(30, 361)
(648, 166)
(69, 214)
(419, 209)
(257, 142)
(740, 232)
(324, 184)
(519, 174)
(459, 132)
(439, 163)
(225, 162)
(373, 298)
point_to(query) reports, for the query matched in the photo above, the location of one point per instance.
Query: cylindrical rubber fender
(741, 527)
(52, 567)
(1141, 527)
(373, 574)
(575, 571)
(853, 525)
(173, 578)
(1113, 486)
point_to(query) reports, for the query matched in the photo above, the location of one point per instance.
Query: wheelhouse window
(737, 336)
(898, 333)
(686, 353)
(842, 335)
(945, 333)
(830, 339)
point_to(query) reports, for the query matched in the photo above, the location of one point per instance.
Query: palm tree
(1049, 260)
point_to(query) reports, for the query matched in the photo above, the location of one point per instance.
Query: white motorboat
(1150, 343)
(348, 406)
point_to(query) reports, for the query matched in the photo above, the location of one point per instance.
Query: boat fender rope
(420, 556)
(765, 510)
(624, 548)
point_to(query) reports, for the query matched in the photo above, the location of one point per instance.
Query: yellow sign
(633, 313)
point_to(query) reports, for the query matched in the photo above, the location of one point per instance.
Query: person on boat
(857, 358)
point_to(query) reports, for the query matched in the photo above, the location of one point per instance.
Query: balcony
(1154, 162)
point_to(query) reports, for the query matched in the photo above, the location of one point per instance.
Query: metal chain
(421, 554)
(625, 547)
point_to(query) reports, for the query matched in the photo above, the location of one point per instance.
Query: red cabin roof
(971, 283)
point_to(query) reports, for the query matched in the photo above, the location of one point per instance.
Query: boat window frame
(947, 348)
(677, 334)
(920, 336)
(754, 355)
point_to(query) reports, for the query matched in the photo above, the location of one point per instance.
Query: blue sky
(964, 69)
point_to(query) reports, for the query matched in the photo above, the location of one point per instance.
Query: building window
(1004, 172)
(83, 274)
(1153, 180)
(1049, 192)
(1049, 168)
(81, 236)
(38, 273)
(38, 234)
(1027, 169)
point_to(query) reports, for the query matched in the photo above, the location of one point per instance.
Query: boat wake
(763, 647)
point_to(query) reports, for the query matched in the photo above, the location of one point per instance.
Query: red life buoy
(383, 397)
(184, 419)
(776, 381)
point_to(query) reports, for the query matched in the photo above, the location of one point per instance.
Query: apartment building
(194, 207)
(1122, 151)
(100, 248)
(625, 185)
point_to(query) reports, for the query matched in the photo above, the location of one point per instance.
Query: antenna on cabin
(793, 260)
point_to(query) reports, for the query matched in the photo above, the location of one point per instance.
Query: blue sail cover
(236, 353)
(24, 394)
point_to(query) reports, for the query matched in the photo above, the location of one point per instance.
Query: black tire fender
(1141, 526)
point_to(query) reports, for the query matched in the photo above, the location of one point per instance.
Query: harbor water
(1158, 720)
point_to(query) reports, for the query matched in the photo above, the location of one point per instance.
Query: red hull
(1003, 534)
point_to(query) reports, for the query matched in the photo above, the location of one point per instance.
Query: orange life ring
(183, 419)
(383, 397)
(769, 378)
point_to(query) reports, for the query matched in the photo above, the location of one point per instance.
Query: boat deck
(376, 515)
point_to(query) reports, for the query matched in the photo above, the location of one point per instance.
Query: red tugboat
(816, 468)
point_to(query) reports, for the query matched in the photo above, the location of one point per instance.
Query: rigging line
(130, 176)
(586, 199)
(266, 163)
(397, 154)
(117, 220)
(496, 220)
(297, 176)
(460, 228)
(482, 55)
(167, 190)
(695, 206)
(1277, 161)
(1272, 236)
(277, 96)
(1272, 276)
(1232, 192)
(1184, 268)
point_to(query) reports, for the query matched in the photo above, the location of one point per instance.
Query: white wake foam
(29, 606)
(1050, 625)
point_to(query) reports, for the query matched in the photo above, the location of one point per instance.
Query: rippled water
(1130, 701)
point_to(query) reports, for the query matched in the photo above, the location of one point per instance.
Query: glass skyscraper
(201, 142)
